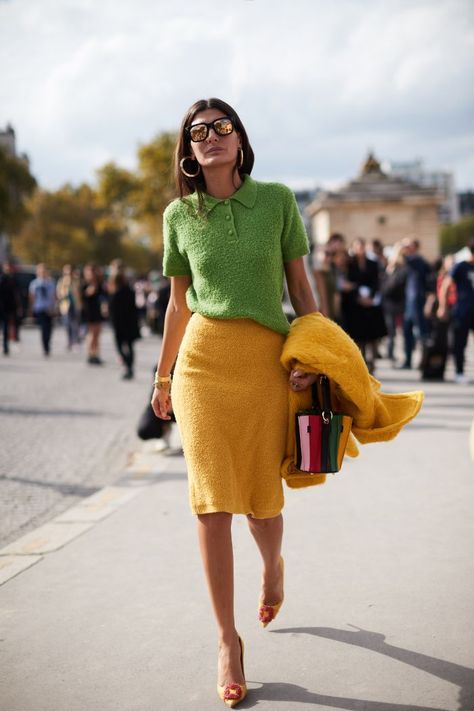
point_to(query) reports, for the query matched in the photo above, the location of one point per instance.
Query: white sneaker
(462, 379)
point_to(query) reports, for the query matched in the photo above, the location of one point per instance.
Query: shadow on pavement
(293, 692)
(375, 641)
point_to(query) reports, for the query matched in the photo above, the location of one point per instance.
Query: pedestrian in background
(416, 287)
(94, 309)
(228, 377)
(393, 297)
(367, 324)
(325, 272)
(325, 278)
(462, 312)
(123, 314)
(42, 293)
(68, 293)
(7, 306)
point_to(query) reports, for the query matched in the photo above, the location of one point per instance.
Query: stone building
(378, 206)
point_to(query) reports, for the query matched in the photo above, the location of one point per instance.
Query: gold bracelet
(162, 378)
(162, 386)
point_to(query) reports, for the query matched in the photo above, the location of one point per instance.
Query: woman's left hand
(299, 380)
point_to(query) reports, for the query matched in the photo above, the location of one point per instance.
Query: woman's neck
(222, 184)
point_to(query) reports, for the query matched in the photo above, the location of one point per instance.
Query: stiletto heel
(232, 694)
(267, 613)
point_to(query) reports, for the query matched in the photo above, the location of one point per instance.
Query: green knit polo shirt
(236, 251)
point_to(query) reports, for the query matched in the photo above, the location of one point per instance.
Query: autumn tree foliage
(119, 216)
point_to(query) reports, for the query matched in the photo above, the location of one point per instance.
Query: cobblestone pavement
(66, 428)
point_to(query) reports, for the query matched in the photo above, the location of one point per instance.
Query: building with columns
(377, 205)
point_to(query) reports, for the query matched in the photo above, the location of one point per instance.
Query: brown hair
(186, 185)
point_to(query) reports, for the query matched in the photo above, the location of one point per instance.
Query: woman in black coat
(367, 322)
(124, 319)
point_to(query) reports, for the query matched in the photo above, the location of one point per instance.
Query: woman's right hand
(161, 402)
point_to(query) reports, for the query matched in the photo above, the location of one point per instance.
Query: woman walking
(124, 319)
(366, 325)
(94, 305)
(229, 240)
(68, 294)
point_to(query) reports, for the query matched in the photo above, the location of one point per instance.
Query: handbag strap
(325, 394)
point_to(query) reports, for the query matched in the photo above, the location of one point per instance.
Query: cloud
(316, 83)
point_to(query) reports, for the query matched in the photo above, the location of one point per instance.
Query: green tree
(16, 184)
(455, 237)
(120, 217)
(116, 188)
(68, 225)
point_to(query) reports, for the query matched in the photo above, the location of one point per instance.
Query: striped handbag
(321, 435)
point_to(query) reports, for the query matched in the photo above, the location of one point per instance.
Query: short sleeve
(175, 263)
(294, 240)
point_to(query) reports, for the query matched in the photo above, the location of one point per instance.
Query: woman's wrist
(162, 381)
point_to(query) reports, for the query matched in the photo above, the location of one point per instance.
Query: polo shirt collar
(246, 195)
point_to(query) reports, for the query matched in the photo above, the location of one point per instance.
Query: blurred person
(393, 297)
(325, 277)
(228, 375)
(336, 242)
(10, 269)
(123, 315)
(94, 301)
(435, 347)
(416, 287)
(367, 324)
(377, 253)
(42, 293)
(462, 312)
(141, 289)
(7, 306)
(162, 300)
(346, 290)
(68, 294)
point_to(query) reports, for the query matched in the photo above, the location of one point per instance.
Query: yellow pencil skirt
(230, 399)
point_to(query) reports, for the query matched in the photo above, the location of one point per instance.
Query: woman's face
(215, 150)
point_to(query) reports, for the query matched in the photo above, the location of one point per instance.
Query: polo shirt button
(226, 202)
(230, 232)
(227, 217)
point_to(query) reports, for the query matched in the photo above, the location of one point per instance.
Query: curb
(31, 548)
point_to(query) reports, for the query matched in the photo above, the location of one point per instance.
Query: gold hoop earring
(241, 156)
(189, 175)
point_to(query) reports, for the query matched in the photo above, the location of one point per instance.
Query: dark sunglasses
(199, 131)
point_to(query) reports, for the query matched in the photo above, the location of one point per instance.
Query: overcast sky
(316, 82)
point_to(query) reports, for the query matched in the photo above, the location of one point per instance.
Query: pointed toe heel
(233, 694)
(267, 613)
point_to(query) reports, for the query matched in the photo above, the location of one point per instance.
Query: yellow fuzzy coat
(317, 344)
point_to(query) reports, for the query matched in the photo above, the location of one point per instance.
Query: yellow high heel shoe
(232, 694)
(267, 613)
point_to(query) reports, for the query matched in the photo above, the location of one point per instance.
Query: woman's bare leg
(215, 540)
(268, 533)
(93, 334)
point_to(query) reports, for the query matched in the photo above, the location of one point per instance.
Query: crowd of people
(374, 296)
(83, 301)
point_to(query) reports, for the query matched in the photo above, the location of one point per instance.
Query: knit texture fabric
(230, 399)
(235, 253)
(317, 344)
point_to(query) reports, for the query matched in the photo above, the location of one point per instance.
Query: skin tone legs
(215, 540)
(93, 338)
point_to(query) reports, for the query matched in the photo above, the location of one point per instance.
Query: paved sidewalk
(379, 606)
